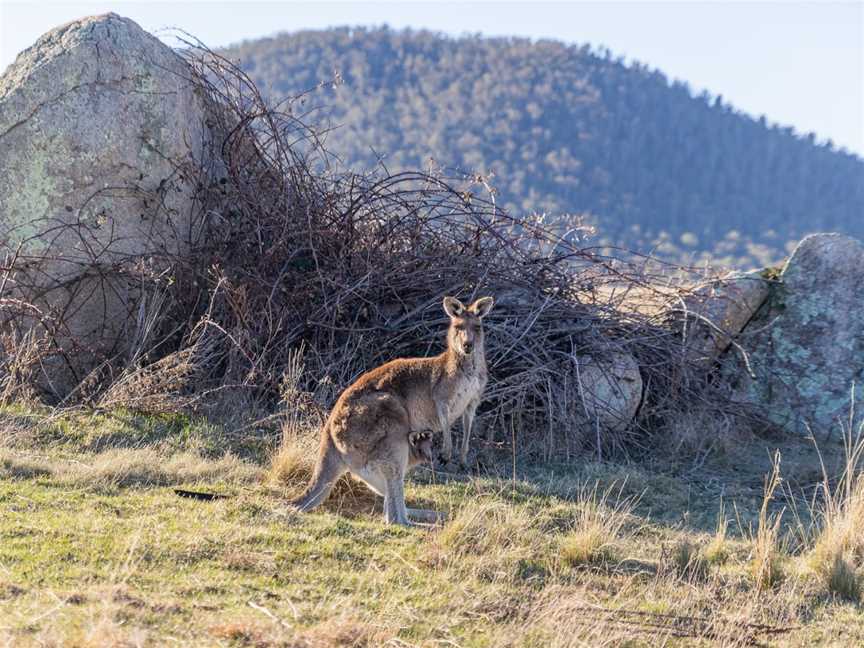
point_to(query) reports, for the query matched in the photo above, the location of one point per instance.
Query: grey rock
(806, 346)
(98, 122)
(717, 311)
(610, 388)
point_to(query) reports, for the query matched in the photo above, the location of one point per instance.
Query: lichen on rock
(806, 345)
(97, 120)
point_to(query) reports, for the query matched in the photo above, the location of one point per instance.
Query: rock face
(719, 311)
(806, 346)
(610, 387)
(98, 121)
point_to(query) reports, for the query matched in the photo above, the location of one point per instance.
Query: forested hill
(570, 130)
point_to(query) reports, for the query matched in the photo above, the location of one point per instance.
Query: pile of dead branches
(294, 253)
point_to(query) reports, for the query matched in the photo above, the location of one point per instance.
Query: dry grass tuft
(837, 553)
(146, 467)
(702, 429)
(20, 358)
(597, 526)
(498, 541)
(685, 561)
(15, 465)
(291, 467)
(292, 463)
(766, 563)
(842, 578)
(716, 552)
(494, 542)
(488, 527)
(335, 633)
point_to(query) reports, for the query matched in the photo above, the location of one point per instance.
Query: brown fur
(376, 428)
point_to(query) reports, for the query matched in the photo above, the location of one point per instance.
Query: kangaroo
(380, 425)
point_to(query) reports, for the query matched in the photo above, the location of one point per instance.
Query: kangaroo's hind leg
(385, 478)
(395, 511)
(382, 433)
(378, 483)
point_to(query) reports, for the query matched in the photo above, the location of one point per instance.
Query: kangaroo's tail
(328, 469)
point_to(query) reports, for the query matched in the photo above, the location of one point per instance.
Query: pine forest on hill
(570, 132)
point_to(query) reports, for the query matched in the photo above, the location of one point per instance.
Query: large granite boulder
(806, 345)
(100, 126)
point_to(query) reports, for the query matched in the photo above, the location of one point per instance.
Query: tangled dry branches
(287, 251)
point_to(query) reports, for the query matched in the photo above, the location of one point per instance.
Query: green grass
(97, 550)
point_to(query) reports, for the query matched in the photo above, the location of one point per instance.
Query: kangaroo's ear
(482, 306)
(453, 307)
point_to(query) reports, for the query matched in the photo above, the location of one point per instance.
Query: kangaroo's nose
(468, 347)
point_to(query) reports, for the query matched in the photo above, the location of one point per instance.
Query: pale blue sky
(799, 63)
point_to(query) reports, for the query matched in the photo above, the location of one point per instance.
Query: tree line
(571, 132)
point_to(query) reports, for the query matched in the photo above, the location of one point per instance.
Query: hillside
(569, 131)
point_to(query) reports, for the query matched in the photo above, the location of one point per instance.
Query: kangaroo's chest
(464, 390)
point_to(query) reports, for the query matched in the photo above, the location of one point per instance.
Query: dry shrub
(355, 267)
(155, 388)
(292, 252)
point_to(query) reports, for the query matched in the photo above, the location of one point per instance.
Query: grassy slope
(95, 549)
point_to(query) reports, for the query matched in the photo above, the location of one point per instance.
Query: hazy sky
(799, 63)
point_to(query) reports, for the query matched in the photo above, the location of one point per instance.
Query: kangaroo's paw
(421, 446)
(416, 438)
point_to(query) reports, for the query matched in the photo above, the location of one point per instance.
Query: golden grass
(766, 563)
(716, 552)
(492, 541)
(598, 525)
(291, 464)
(837, 552)
(123, 467)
